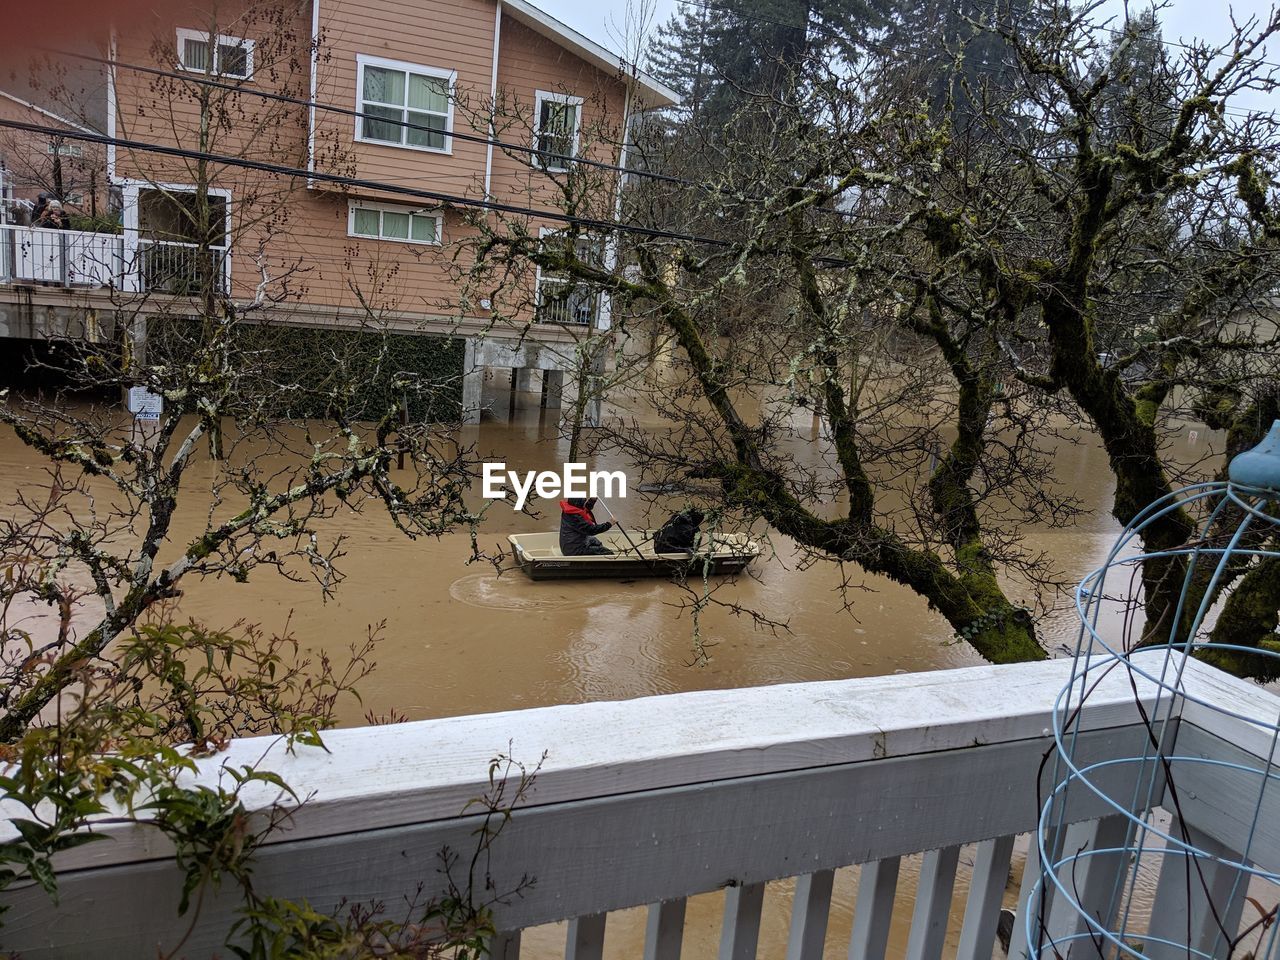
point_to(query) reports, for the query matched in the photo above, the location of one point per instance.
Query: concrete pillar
(135, 341)
(552, 389)
(524, 380)
(591, 414)
(472, 384)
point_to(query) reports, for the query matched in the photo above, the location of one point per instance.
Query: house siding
(297, 229)
(26, 165)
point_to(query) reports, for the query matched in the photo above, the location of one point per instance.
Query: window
(172, 226)
(228, 57)
(558, 117)
(560, 299)
(405, 105)
(389, 222)
(56, 148)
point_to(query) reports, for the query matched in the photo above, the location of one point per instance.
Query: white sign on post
(145, 405)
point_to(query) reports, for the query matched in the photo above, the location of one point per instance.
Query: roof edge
(652, 92)
(75, 125)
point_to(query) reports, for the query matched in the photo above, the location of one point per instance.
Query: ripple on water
(513, 592)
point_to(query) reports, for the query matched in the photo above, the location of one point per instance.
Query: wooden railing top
(413, 773)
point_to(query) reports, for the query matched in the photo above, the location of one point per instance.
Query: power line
(435, 197)
(991, 5)
(205, 80)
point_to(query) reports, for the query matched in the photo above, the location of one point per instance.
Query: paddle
(621, 529)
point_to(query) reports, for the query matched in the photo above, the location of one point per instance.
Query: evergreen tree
(954, 49)
(1139, 102)
(677, 56)
(720, 54)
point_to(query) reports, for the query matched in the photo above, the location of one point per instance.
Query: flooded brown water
(460, 639)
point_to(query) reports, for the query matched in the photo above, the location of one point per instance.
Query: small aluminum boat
(539, 556)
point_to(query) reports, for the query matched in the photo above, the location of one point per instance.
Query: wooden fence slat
(1191, 922)
(741, 928)
(1031, 877)
(505, 945)
(877, 885)
(809, 911)
(986, 895)
(1095, 881)
(933, 904)
(664, 931)
(585, 940)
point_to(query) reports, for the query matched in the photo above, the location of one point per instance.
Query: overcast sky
(605, 21)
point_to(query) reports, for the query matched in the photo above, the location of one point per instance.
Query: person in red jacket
(579, 530)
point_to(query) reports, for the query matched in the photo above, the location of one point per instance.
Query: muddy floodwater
(461, 639)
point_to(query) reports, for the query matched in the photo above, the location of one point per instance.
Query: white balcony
(78, 258)
(654, 800)
(67, 258)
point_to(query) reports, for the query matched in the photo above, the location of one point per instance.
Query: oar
(621, 529)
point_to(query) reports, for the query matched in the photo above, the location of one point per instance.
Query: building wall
(301, 233)
(451, 35)
(529, 63)
(27, 164)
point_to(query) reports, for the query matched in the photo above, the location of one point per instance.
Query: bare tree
(1094, 242)
(255, 447)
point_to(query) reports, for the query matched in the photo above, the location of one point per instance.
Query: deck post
(1195, 903)
(933, 904)
(1096, 879)
(986, 893)
(809, 911)
(741, 930)
(505, 946)
(585, 939)
(1030, 878)
(552, 389)
(877, 886)
(664, 931)
(472, 384)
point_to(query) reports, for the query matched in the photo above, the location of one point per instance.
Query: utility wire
(991, 5)
(240, 88)
(435, 197)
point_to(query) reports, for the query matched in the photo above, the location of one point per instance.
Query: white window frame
(74, 150)
(451, 76)
(215, 45)
(594, 323)
(545, 96)
(354, 205)
(130, 190)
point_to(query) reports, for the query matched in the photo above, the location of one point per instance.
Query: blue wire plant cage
(1167, 890)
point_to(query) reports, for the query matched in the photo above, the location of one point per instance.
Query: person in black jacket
(578, 529)
(679, 534)
(52, 217)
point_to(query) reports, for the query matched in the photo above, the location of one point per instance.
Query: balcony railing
(78, 258)
(654, 800)
(60, 257)
(562, 302)
(166, 266)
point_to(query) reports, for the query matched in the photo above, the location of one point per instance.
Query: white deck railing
(651, 801)
(78, 258)
(60, 257)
